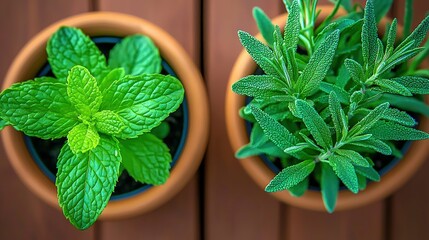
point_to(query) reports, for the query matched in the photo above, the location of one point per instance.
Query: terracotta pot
(33, 56)
(312, 200)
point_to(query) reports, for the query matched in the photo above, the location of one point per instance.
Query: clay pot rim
(32, 56)
(312, 200)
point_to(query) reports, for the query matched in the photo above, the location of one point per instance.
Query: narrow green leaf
(264, 24)
(143, 101)
(83, 91)
(369, 120)
(314, 123)
(374, 144)
(384, 130)
(362, 181)
(390, 86)
(337, 115)
(406, 103)
(69, 47)
(38, 109)
(261, 53)
(273, 129)
(369, 37)
(391, 37)
(343, 77)
(342, 95)
(290, 176)
(395, 115)
(418, 35)
(85, 181)
(292, 28)
(368, 172)
(108, 122)
(146, 158)
(259, 86)
(330, 185)
(318, 65)
(354, 157)
(381, 8)
(299, 189)
(136, 54)
(345, 171)
(417, 85)
(355, 70)
(408, 18)
(82, 138)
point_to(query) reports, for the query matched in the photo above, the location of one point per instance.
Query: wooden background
(221, 202)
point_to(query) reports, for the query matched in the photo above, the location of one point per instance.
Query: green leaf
(143, 102)
(395, 115)
(345, 171)
(162, 130)
(136, 54)
(290, 176)
(391, 36)
(264, 24)
(292, 28)
(3, 124)
(338, 116)
(406, 103)
(368, 172)
(343, 77)
(384, 130)
(374, 144)
(381, 8)
(369, 37)
(299, 189)
(314, 123)
(38, 109)
(82, 138)
(369, 120)
(408, 17)
(342, 95)
(85, 181)
(318, 65)
(390, 86)
(146, 158)
(113, 75)
(330, 185)
(354, 157)
(418, 35)
(83, 91)
(69, 47)
(276, 132)
(261, 53)
(108, 122)
(259, 86)
(355, 70)
(362, 182)
(417, 85)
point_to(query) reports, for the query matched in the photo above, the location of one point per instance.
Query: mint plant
(105, 109)
(333, 94)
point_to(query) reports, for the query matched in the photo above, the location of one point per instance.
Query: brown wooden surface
(224, 203)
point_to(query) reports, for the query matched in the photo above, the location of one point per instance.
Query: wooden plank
(409, 213)
(23, 215)
(179, 218)
(363, 223)
(236, 208)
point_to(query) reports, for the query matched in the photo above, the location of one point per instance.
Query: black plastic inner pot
(382, 163)
(45, 152)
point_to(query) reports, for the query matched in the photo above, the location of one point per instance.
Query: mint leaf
(162, 130)
(69, 47)
(85, 181)
(143, 102)
(108, 122)
(3, 124)
(345, 171)
(318, 65)
(330, 185)
(82, 138)
(290, 176)
(264, 24)
(314, 123)
(38, 109)
(259, 86)
(83, 91)
(113, 75)
(276, 132)
(146, 158)
(137, 54)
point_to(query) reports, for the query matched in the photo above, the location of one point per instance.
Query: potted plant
(331, 106)
(110, 99)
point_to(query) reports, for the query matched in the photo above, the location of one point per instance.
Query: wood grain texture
(22, 214)
(179, 218)
(235, 207)
(409, 213)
